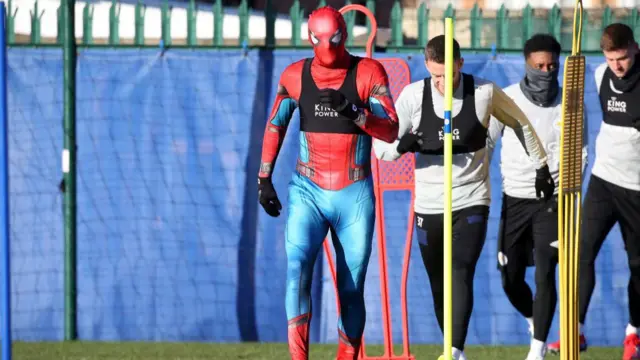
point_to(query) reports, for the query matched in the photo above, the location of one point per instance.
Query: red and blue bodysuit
(343, 101)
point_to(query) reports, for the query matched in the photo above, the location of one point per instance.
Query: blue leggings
(350, 216)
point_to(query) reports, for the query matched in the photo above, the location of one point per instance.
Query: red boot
(348, 349)
(631, 347)
(299, 337)
(554, 348)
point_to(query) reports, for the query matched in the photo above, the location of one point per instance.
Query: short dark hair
(542, 42)
(435, 50)
(616, 37)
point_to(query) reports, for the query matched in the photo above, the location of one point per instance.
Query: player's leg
(469, 232)
(597, 220)
(545, 236)
(430, 240)
(305, 231)
(628, 208)
(515, 244)
(598, 217)
(352, 222)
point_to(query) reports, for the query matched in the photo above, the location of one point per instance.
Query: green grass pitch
(252, 351)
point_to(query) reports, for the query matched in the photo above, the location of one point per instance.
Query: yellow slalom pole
(570, 192)
(448, 161)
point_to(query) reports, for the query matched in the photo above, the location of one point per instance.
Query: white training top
(518, 171)
(470, 175)
(617, 149)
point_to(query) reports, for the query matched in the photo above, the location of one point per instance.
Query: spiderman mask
(327, 34)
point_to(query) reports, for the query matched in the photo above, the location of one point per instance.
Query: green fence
(500, 30)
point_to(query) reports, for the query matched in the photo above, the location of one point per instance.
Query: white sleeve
(598, 74)
(585, 140)
(493, 135)
(505, 110)
(404, 109)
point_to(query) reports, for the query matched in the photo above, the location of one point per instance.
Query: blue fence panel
(35, 144)
(172, 244)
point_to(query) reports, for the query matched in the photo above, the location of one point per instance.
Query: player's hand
(544, 183)
(410, 142)
(336, 100)
(268, 198)
(636, 124)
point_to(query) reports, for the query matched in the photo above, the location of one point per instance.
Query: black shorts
(524, 225)
(469, 227)
(606, 204)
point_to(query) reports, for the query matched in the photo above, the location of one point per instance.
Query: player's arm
(281, 113)
(382, 121)
(274, 133)
(389, 151)
(598, 75)
(585, 139)
(505, 110)
(496, 129)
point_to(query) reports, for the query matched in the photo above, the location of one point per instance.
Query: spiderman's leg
(352, 233)
(305, 232)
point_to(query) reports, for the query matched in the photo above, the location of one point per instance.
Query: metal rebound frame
(388, 176)
(5, 295)
(570, 191)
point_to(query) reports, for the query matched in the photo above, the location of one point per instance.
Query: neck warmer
(540, 87)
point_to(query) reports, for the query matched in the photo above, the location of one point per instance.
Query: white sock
(538, 348)
(631, 330)
(457, 354)
(530, 321)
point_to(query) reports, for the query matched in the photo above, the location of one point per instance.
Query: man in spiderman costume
(344, 100)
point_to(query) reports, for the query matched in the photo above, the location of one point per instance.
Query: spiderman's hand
(336, 100)
(268, 197)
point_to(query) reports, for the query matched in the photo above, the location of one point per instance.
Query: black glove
(336, 100)
(410, 142)
(268, 198)
(544, 183)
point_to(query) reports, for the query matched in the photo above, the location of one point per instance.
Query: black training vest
(619, 109)
(469, 135)
(314, 117)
